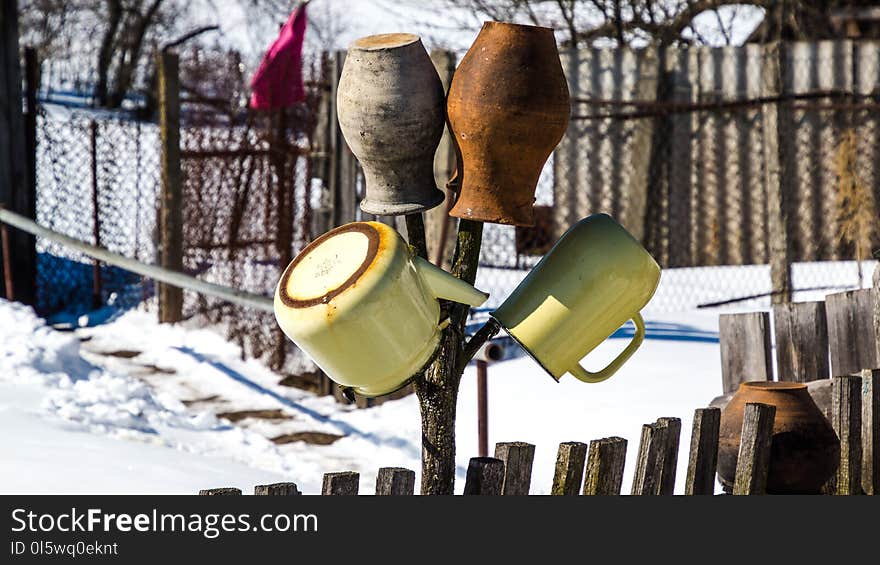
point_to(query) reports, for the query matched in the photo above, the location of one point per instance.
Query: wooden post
(228, 491)
(776, 142)
(16, 185)
(871, 431)
(484, 476)
(846, 417)
(605, 464)
(852, 339)
(6, 266)
(344, 483)
(666, 485)
(395, 481)
(569, 469)
(439, 225)
(517, 457)
(703, 459)
(753, 460)
(745, 349)
(96, 215)
(649, 465)
(801, 331)
(482, 408)
(277, 489)
(171, 203)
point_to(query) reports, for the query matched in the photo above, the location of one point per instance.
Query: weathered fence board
(871, 431)
(801, 332)
(344, 483)
(753, 460)
(745, 348)
(846, 411)
(569, 468)
(649, 465)
(395, 481)
(226, 491)
(666, 484)
(517, 457)
(277, 489)
(484, 476)
(605, 466)
(703, 458)
(852, 339)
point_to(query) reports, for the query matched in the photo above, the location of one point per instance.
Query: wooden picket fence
(814, 340)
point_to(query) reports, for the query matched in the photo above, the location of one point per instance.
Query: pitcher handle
(586, 376)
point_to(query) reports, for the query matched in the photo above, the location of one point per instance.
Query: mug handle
(586, 376)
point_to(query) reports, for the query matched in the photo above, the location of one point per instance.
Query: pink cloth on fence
(278, 82)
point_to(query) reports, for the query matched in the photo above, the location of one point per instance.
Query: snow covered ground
(133, 406)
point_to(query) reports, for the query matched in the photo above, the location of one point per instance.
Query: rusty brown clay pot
(508, 107)
(805, 451)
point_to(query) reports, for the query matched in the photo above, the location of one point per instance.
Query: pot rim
(773, 385)
(491, 23)
(384, 41)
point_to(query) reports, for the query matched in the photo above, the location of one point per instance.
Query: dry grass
(855, 202)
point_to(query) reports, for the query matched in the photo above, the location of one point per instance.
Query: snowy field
(133, 406)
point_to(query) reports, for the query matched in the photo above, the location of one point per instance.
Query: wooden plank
(439, 225)
(745, 349)
(16, 186)
(666, 485)
(703, 459)
(605, 464)
(277, 489)
(395, 481)
(871, 431)
(753, 460)
(517, 457)
(228, 491)
(801, 332)
(777, 145)
(846, 417)
(484, 476)
(171, 202)
(341, 484)
(569, 469)
(852, 338)
(649, 465)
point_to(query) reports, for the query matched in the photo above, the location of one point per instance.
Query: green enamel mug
(594, 279)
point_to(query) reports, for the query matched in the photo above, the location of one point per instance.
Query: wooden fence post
(605, 464)
(171, 203)
(703, 459)
(745, 349)
(344, 483)
(777, 137)
(96, 214)
(871, 431)
(229, 491)
(649, 465)
(17, 191)
(439, 225)
(277, 489)
(801, 331)
(846, 412)
(569, 469)
(484, 476)
(666, 486)
(753, 460)
(852, 339)
(517, 457)
(395, 481)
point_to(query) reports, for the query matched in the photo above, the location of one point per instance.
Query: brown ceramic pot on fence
(805, 451)
(508, 107)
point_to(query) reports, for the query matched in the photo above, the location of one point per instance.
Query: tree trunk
(437, 388)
